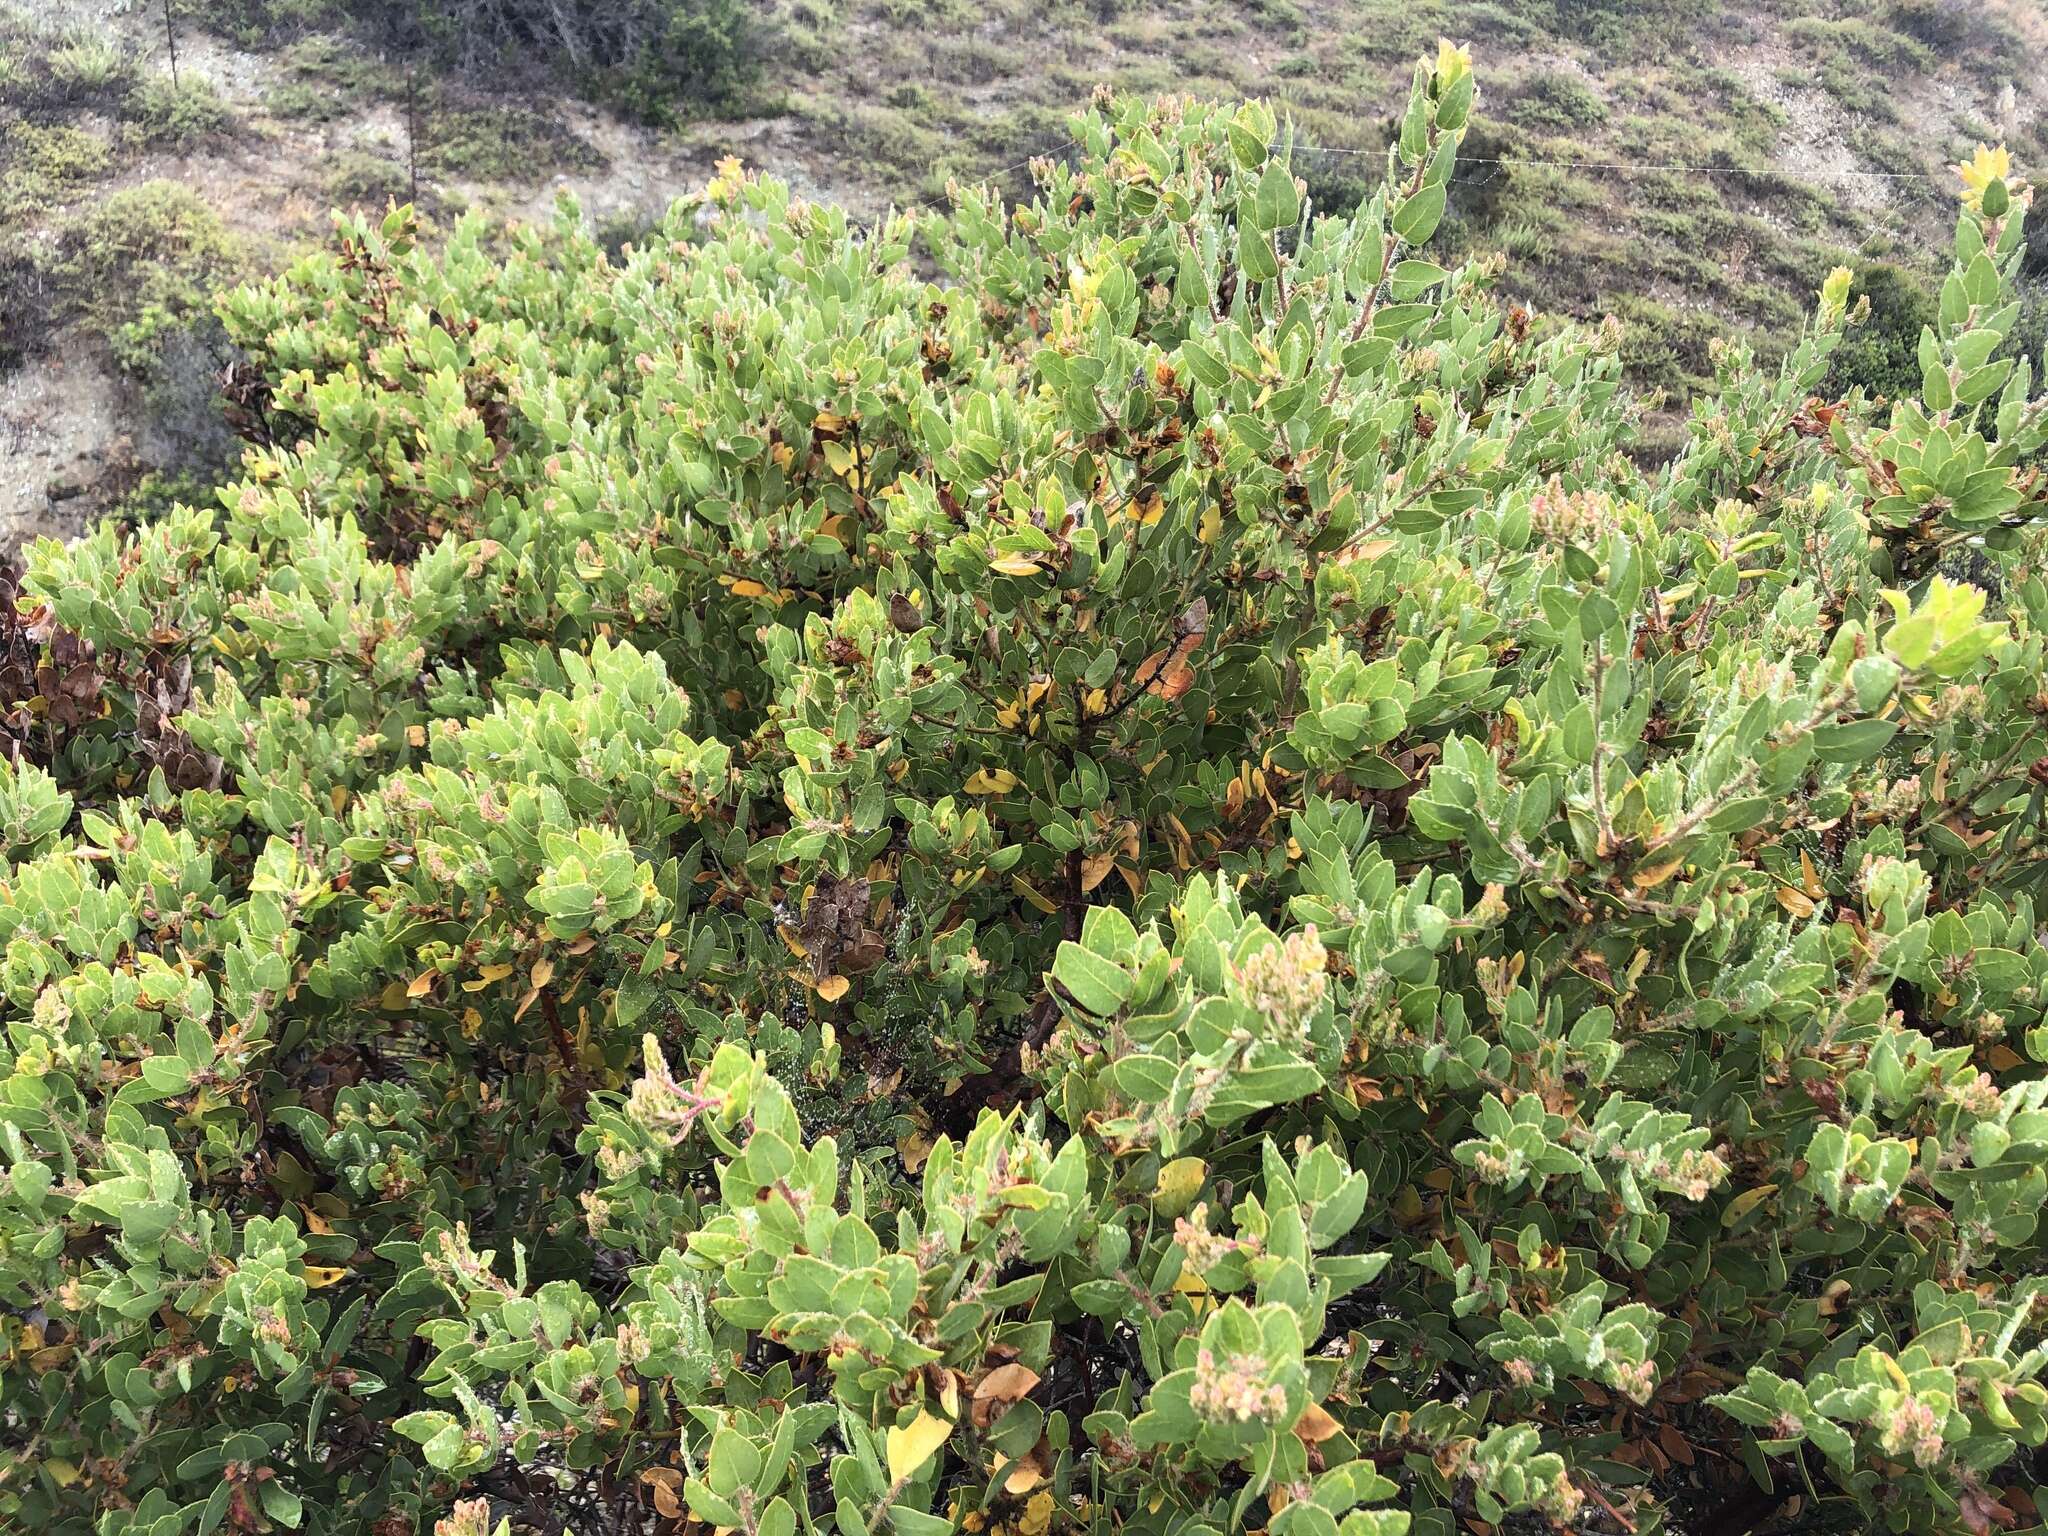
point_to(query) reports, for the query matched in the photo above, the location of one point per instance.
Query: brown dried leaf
(1006, 1384)
(1675, 1445)
(1168, 673)
(1315, 1426)
(665, 1481)
(1095, 869)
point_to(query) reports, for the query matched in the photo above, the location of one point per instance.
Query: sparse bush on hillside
(1556, 101)
(90, 64)
(1856, 56)
(178, 114)
(662, 59)
(144, 259)
(499, 143)
(363, 179)
(1145, 889)
(136, 270)
(1956, 28)
(1645, 26)
(43, 166)
(133, 267)
(46, 69)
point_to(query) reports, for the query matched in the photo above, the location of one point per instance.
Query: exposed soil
(61, 441)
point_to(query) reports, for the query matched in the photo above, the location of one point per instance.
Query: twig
(1592, 1487)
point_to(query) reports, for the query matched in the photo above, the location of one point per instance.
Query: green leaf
(1417, 217)
(1278, 199)
(1098, 985)
(1255, 255)
(1853, 741)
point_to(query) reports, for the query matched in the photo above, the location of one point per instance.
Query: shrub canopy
(1146, 888)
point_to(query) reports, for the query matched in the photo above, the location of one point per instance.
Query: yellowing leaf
(1196, 1289)
(1650, 876)
(1031, 894)
(833, 988)
(1178, 1182)
(749, 589)
(542, 973)
(991, 781)
(1746, 1202)
(1016, 565)
(1037, 1516)
(319, 1276)
(1022, 1478)
(420, 985)
(912, 1445)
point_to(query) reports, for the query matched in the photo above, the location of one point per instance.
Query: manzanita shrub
(1101, 867)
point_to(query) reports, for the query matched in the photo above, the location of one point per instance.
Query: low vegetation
(661, 59)
(1142, 886)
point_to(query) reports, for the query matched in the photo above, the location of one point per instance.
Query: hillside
(1690, 169)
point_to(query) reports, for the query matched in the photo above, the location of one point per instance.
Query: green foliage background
(1147, 888)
